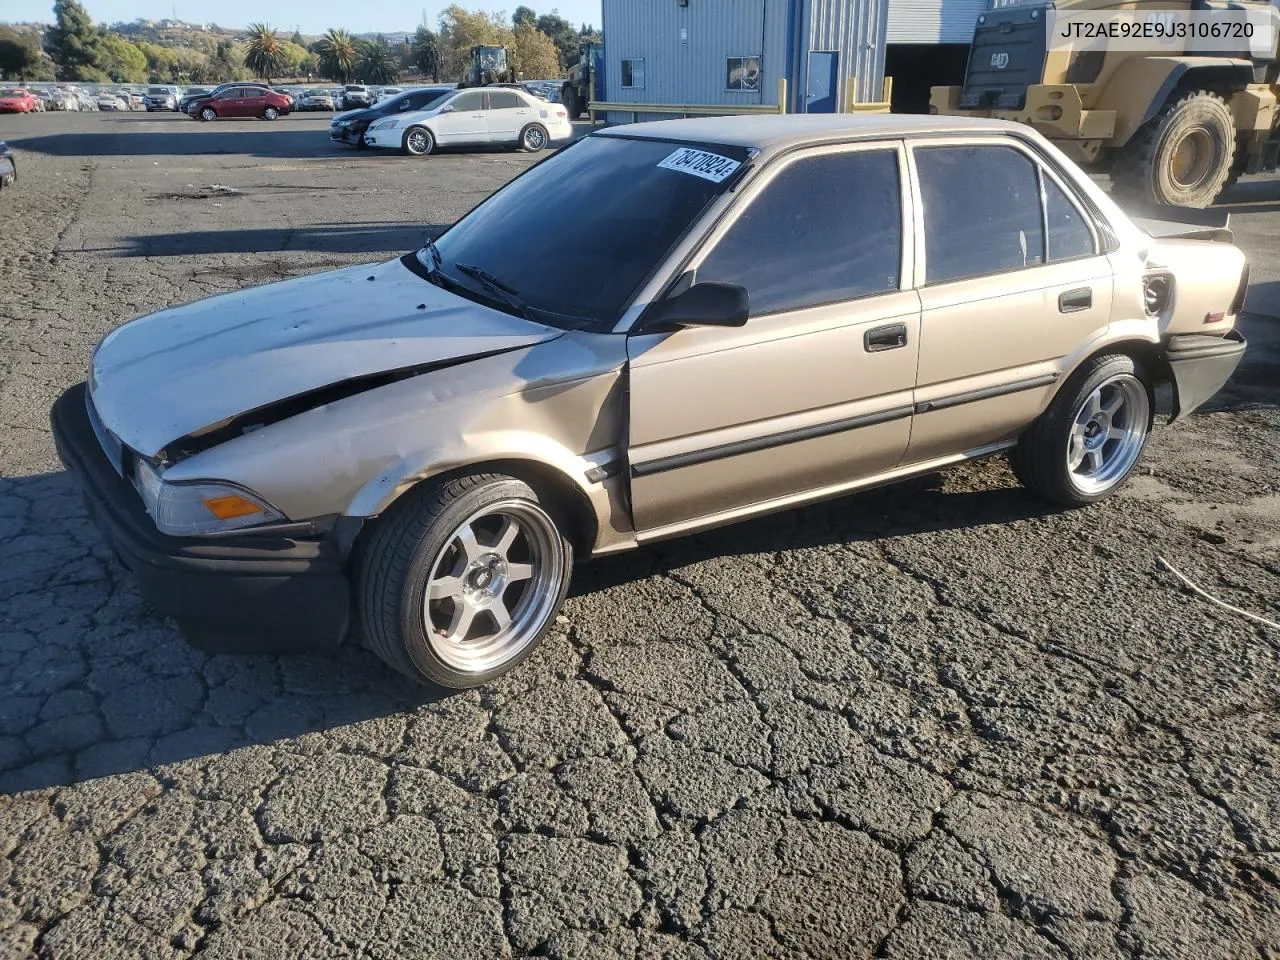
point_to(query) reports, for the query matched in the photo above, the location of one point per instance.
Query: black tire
(208, 113)
(1041, 460)
(418, 142)
(403, 552)
(534, 138)
(271, 113)
(570, 101)
(1197, 125)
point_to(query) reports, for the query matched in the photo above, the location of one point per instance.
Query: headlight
(200, 507)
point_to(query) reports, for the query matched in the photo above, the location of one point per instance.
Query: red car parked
(17, 100)
(241, 102)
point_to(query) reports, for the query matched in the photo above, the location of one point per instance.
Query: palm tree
(337, 54)
(377, 64)
(264, 53)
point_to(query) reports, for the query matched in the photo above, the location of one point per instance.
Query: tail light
(1237, 304)
(560, 111)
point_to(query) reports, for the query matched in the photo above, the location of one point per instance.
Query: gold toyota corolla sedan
(725, 317)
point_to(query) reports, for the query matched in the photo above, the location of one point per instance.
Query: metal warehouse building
(735, 52)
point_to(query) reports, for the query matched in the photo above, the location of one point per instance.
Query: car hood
(177, 372)
(364, 113)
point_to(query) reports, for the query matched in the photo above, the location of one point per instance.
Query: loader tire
(1183, 157)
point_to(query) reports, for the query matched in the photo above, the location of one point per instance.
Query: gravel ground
(939, 720)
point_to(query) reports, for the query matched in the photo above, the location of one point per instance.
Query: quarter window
(633, 73)
(1069, 234)
(981, 211)
(824, 230)
(742, 73)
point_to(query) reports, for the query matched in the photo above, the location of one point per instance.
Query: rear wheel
(534, 137)
(208, 113)
(1183, 157)
(418, 141)
(271, 113)
(1090, 439)
(460, 581)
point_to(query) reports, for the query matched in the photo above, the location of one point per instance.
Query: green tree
(74, 43)
(263, 52)
(534, 55)
(426, 53)
(376, 63)
(293, 58)
(337, 55)
(562, 34)
(122, 61)
(20, 57)
(297, 38)
(461, 29)
(524, 15)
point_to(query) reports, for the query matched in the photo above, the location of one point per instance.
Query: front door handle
(889, 337)
(1073, 300)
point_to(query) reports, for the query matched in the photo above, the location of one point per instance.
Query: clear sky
(310, 16)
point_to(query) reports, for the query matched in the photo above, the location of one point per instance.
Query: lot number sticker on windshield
(708, 166)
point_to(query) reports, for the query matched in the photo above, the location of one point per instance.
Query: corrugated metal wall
(933, 21)
(856, 29)
(685, 48)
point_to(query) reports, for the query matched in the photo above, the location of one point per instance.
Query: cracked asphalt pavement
(938, 720)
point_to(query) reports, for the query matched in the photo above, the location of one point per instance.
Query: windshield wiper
(496, 286)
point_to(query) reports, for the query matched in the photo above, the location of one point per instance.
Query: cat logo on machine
(999, 60)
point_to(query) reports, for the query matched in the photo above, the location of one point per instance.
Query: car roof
(777, 131)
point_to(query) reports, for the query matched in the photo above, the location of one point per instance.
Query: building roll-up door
(933, 21)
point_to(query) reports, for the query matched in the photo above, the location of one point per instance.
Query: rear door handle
(1073, 300)
(889, 337)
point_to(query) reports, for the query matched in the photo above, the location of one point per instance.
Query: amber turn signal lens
(230, 507)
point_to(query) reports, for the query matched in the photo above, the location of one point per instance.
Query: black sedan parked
(8, 166)
(349, 127)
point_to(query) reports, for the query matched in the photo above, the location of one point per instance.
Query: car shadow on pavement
(100, 684)
(323, 238)
(242, 139)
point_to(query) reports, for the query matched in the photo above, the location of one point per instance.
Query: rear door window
(981, 211)
(827, 228)
(504, 100)
(471, 100)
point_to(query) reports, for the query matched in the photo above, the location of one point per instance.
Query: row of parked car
(28, 100)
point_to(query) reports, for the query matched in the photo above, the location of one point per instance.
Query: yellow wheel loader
(1171, 128)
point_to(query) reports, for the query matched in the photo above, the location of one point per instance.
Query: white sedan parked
(469, 117)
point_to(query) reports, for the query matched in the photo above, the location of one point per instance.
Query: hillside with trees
(73, 48)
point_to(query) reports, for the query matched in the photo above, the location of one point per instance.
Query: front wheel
(271, 113)
(208, 113)
(418, 141)
(460, 580)
(1181, 158)
(1084, 447)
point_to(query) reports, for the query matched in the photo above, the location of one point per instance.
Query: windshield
(605, 214)
(158, 90)
(12, 92)
(413, 100)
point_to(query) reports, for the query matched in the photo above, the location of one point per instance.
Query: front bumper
(1201, 365)
(383, 138)
(345, 134)
(244, 592)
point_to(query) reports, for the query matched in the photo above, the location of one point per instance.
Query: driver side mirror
(447, 108)
(708, 304)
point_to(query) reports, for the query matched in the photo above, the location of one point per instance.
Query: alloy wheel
(493, 585)
(1108, 433)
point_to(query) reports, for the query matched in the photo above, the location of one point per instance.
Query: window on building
(981, 211)
(742, 73)
(633, 73)
(1069, 234)
(826, 229)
